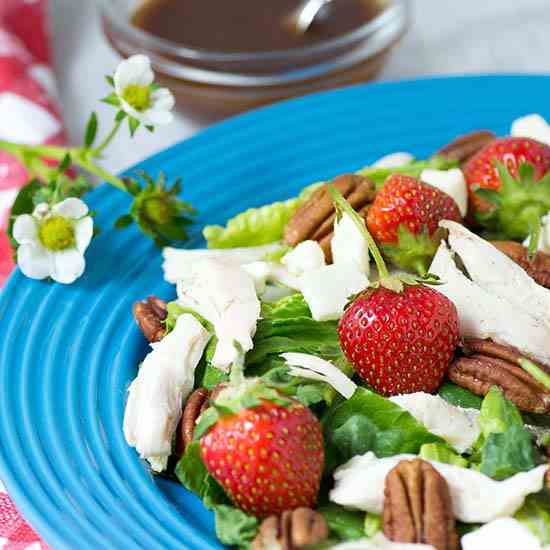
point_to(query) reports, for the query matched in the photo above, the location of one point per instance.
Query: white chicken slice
(225, 295)
(349, 246)
(164, 381)
(178, 261)
(496, 273)
(476, 497)
(486, 315)
(455, 425)
(502, 533)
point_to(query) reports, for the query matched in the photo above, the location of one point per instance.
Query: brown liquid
(246, 25)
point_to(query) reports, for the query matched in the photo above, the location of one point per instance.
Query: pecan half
(149, 316)
(488, 364)
(466, 146)
(314, 220)
(418, 506)
(196, 404)
(538, 267)
(293, 529)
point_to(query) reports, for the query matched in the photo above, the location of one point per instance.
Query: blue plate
(68, 353)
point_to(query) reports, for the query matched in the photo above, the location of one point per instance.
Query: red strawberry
(268, 458)
(404, 218)
(514, 190)
(400, 342)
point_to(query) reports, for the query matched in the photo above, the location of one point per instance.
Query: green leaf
(535, 515)
(505, 445)
(234, 527)
(112, 99)
(23, 204)
(91, 131)
(355, 437)
(256, 226)
(206, 420)
(65, 164)
(442, 453)
(110, 80)
(133, 125)
(342, 523)
(392, 429)
(373, 524)
(193, 475)
(460, 397)
(124, 221)
(120, 116)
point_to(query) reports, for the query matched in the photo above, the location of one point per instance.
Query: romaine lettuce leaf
(535, 515)
(460, 397)
(442, 453)
(256, 226)
(387, 428)
(234, 527)
(342, 523)
(505, 446)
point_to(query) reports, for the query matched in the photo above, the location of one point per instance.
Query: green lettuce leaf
(414, 169)
(287, 326)
(234, 527)
(342, 523)
(372, 525)
(442, 453)
(256, 226)
(460, 397)
(505, 445)
(383, 427)
(535, 515)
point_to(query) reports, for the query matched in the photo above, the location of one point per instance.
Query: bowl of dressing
(222, 57)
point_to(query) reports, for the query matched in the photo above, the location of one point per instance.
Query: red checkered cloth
(28, 106)
(28, 114)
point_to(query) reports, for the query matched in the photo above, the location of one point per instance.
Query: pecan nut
(196, 404)
(150, 316)
(293, 529)
(538, 268)
(466, 146)
(489, 364)
(314, 220)
(418, 506)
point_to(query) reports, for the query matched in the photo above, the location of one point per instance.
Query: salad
(366, 365)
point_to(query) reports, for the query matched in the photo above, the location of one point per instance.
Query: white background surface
(447, 37)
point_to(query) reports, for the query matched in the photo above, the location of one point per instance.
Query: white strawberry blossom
(139, 97)
(52, 241)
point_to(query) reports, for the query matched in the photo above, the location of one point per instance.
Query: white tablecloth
(470, 36)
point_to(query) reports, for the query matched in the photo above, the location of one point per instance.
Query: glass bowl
(210, 85)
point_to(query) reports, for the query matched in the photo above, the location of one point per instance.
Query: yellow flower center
(57, 234)
(139, 97)
(157, 210)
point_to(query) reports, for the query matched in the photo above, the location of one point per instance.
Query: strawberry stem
(535, 371)
(343, 206)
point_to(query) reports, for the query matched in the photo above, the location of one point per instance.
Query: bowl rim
(396, 10)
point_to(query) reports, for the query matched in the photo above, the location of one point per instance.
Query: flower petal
(134, 70)
(25, 229)
(34, 261)
(83, 231)
(163, 99)
(71, 208)
(68, 266)
(129, 110)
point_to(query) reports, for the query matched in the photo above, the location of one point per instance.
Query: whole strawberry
(399, 334)
(509, 185)
(404, 220)
(400, 342)
(268, 458)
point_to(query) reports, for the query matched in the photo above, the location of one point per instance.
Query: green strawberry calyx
(241, 393)
(517, 208)
(413, 251)
(391, 282)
